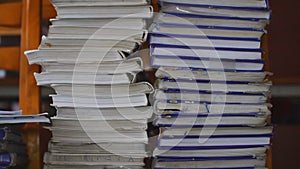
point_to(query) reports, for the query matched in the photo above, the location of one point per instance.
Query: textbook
(188, 107)
(211, 93)
(118, 34)
(127, 23)
(216, 12)
(87, 45)
(100, 102)
(169, 19)
(207, 63)
(197, 74)
(73, 56)
(226, 3)
(192, 31)
(95, 159)
(100, 67)
(96, 11)
(226, 121)
(193, 85)
(212, 53)
(133, 113)
(97, 148)
(91, 59)
(203, 42)
(210, 97)
(47, 78)
(103, 90)
(97, 2)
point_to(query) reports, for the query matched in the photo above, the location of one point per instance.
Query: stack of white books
(211, 97)
(89, 59)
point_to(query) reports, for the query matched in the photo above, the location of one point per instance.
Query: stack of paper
(13, 151)
(212, 92)
(89, 59)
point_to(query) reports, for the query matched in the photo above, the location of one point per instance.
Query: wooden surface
(10, 14)
(29, 92)
(48, 10)
(10, 57)
(265, 56)
(284, 38)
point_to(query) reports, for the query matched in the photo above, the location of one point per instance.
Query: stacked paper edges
(212, 92)
(88, 59)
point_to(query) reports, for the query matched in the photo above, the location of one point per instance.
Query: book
(97, 2)
(88, 34)
(96, 11)
(8, 133)
(193, 43)
(194, 85)
(196, 32)
(260, 4)
(47, 78)
(211, 153)
(46, 166)
(103, 90)
(207, 63)
(169, 19)
(211, 132)
(100, 102)
(127, 23)
(216, 12)
(89, 44)
(15, 119)
(101, 125)
(93, 159)
(97, 148)
(210, 97)
(211, 75)
(134, 65)
(211, 164)
(196, 121)
(144, 112)
(72, 56)
(188, 107)
(211, 53)
(13, 160)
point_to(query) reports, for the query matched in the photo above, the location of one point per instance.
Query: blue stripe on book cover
(2, 133)
(216, 136)
(174, 159)
(170, 90)
(208, 59)
(207, 113)
(217, 6)
(202, 36)
(215, 17)
(201, 125)
(204, 81)
(207, 168)
(178, 25)
(210, 147)
(5, 159)
(201, 102)
(182, 114)
(183, 46)
(241, 71)
(158, 34)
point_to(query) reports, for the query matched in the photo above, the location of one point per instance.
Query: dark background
(284, 53)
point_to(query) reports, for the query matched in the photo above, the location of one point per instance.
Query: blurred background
(284, 49)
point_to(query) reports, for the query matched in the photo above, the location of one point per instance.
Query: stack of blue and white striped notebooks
(211, 97)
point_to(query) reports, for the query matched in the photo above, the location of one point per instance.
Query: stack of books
(89, 58)
(13, 151)
(211, 97)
